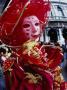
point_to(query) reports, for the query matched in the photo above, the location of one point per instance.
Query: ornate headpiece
(10, 22)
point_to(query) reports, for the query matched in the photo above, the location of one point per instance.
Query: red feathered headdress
(10, 22)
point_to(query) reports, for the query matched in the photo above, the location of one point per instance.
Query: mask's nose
(34, 29)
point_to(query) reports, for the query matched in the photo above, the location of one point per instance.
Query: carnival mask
(31, 27)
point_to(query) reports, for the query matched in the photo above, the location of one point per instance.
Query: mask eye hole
(26, 25)
(37, 24)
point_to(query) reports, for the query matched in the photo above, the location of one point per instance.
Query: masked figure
(33, 64)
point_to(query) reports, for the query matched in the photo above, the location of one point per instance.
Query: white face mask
(31, 27)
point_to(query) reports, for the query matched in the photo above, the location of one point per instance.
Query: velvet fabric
(16, 79)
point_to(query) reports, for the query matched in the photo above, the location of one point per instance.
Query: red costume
(33, 70)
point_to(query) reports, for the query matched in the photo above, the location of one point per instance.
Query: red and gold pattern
(33, 53)
(58, 78)
(7, 64)
(30, 78)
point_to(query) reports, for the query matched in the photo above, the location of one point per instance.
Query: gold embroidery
(32, 78)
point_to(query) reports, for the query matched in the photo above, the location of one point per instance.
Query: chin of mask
(31, 27)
